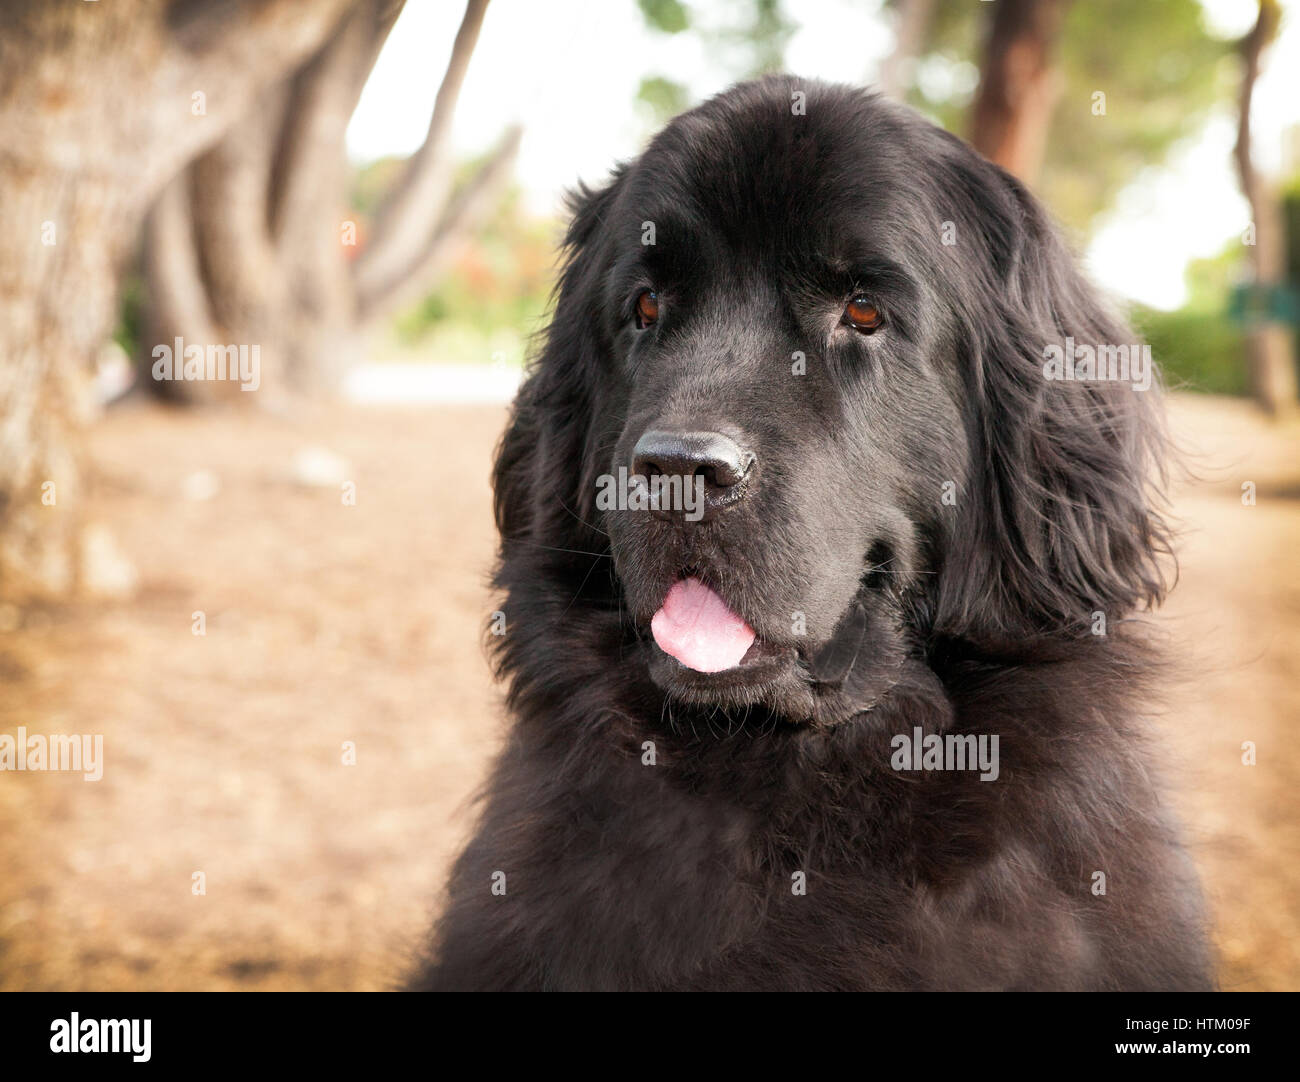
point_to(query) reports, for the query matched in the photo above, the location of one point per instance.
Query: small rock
(105, 570)
(319, 467)
(200, 485)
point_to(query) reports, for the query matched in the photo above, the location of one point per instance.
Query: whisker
(552, 548)
(578, 518)
(578, 592)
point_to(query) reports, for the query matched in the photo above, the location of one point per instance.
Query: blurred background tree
(100, 106)
(209, 138)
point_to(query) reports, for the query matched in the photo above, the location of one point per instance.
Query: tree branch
(466, 212)
(411, 210)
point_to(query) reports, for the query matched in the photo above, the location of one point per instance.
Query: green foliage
(953, 42)
(662, 97)
(1197, 349)
(761, 30)
(495, 294)
(744, 38)
(370, 184)
(666, 16)
(1161, 73)
(1201, 346)
(500, 285)
(1210, 281)
(130, 313)
(1291, 216)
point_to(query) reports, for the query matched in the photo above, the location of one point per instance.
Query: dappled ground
(328, 623)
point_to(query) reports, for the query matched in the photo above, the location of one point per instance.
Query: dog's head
(798, 386)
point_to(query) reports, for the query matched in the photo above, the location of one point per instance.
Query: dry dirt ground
(328, 623)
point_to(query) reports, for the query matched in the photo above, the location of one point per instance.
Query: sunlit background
(569, 70)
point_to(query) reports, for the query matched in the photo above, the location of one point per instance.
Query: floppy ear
(1063, 502)
(544, 477)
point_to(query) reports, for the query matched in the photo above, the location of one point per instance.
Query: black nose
(724, 466)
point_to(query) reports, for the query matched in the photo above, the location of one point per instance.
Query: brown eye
(647, 309)
(862, 315)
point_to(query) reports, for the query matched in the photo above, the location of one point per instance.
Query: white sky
(568, 70)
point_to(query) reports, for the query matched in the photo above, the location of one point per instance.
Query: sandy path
(327, 623)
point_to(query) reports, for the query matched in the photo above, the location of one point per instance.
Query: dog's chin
(768, 675)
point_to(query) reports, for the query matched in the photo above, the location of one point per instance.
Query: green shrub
(1197, 349)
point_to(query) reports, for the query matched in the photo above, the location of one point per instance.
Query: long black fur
(649, 823)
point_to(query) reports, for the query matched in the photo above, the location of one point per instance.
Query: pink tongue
(696, 627)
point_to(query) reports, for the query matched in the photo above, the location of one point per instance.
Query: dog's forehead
(751, 163)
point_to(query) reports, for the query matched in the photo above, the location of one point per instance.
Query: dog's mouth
(710, 643)
(706, 652)
(697, 628)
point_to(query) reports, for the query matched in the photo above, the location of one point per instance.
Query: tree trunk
(98, 110)
(1019, 85)
(230, 210)
(1270, 343)
(177, 306)
(411, 211)
(308, 200)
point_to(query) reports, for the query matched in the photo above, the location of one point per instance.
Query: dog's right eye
(863, 316)
(647, 309)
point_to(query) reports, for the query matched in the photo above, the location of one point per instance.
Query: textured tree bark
(1019, 85)
(97, 112)
(265, 207)
(1270, 349)
(239, 264)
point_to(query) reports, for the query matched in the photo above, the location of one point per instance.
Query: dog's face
(779, 343)
(783, 316)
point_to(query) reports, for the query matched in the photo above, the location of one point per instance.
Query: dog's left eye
(862, 315)
(647, 309)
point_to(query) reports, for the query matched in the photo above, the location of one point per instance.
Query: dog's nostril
(718, 459)
(723, 474)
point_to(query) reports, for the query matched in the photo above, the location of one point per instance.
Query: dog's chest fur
(642, 854)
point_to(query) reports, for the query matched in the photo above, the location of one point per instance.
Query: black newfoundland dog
(857, 704)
